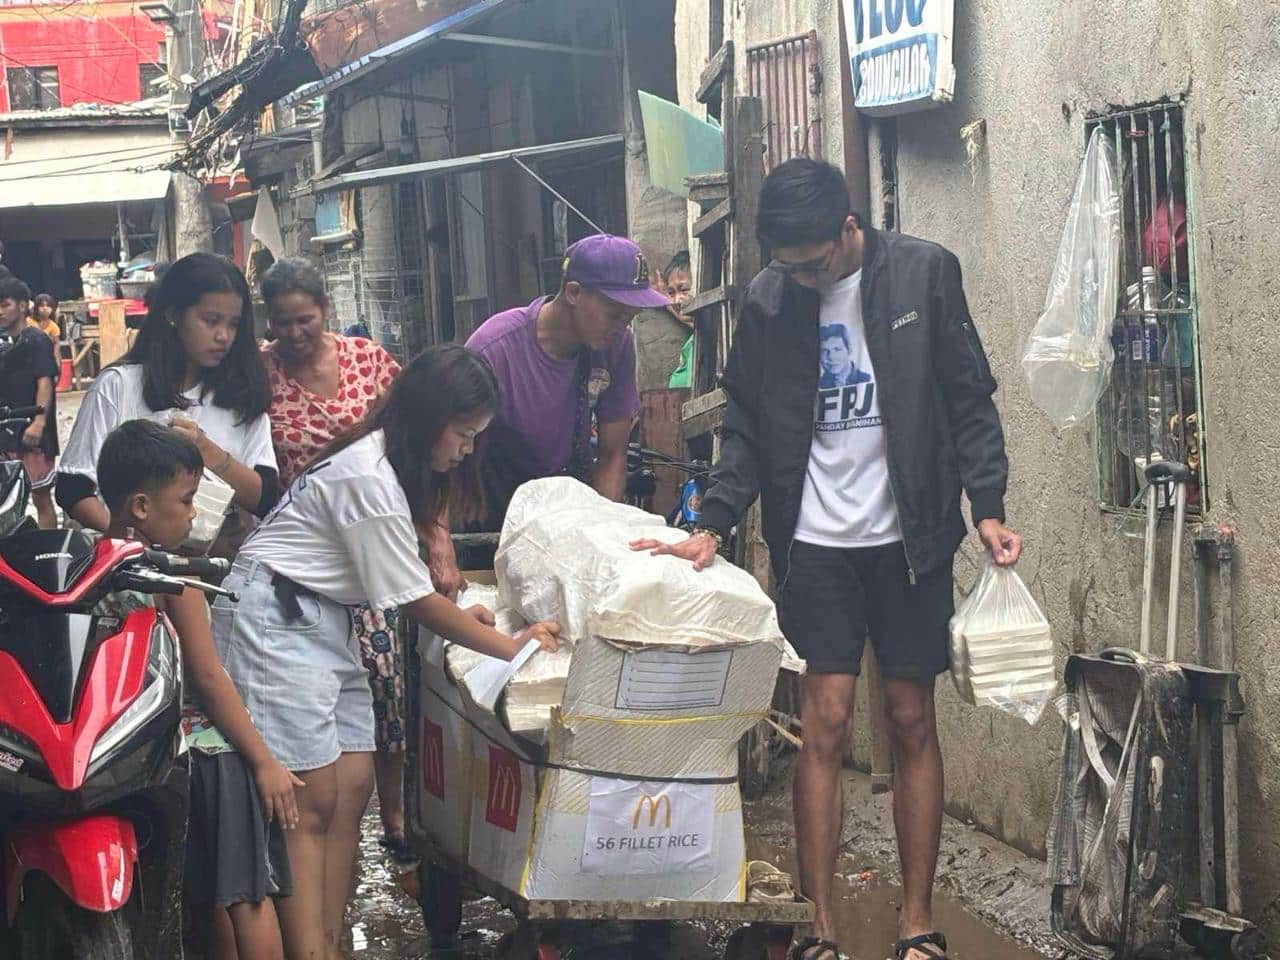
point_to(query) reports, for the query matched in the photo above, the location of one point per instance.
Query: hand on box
(547, 634)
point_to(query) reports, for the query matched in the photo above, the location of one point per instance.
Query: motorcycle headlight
(160, 684)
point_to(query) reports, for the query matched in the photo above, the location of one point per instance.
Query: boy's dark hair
(680, 261)
(802, 201)
(11, 288)
(140, 456)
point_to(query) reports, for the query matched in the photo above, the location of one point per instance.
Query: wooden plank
(708, 189)
(709, 401)
(660, 430)
(113, 335)
(713, 218)
(748, 176)
(711, 298)
(718, 69)
(798, 912)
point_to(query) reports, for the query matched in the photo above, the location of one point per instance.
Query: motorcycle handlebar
(174, 565)
(20, 413)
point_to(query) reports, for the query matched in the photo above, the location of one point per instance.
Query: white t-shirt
(847, 499)
(344, 530)
(116, 397)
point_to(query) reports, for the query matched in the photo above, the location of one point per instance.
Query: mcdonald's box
(557, 834)
(442, 777)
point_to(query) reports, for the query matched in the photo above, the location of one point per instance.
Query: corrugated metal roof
(394, 51)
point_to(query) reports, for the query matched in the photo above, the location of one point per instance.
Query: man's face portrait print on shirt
(845, 393)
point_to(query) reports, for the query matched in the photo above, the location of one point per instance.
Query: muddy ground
(992, 902)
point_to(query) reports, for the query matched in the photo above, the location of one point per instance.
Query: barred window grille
(1153, 408)
(785, 75)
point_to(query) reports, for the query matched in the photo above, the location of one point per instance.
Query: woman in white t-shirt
(344, 534)
(195, 355)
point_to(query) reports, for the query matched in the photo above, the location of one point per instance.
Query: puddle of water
(867, 915)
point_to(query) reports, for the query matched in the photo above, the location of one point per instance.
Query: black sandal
(824, 950)
(925, 944)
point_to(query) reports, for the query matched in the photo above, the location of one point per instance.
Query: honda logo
(655, 807)
(502, 806)
(433, 758)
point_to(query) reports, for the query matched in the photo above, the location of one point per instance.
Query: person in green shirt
(677, 281)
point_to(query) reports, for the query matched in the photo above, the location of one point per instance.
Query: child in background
(28, 372)
(44, 317)
(678, 286)
(241, 797)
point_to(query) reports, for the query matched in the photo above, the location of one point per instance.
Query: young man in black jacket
(860, 477)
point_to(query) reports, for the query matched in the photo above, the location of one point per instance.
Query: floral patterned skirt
(376, 636)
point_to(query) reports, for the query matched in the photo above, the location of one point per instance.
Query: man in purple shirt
(564, 363)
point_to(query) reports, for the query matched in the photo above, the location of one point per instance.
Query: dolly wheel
(758, 942)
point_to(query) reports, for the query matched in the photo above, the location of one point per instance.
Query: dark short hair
(11, 288)
(141, 456)
(293, 276)
(239, 383)
(834, 330)
(46, 300)
(802, 201)
(680, 261)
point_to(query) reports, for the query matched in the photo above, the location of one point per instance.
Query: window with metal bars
(33, 88)
(1153, 408)
(786, 77)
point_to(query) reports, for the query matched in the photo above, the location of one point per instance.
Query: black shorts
(233, 854)
(833, 598)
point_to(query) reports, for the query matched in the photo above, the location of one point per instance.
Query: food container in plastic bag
(1002, 646)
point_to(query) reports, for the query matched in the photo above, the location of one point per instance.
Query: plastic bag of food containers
(1002, 647)
(1069, 355)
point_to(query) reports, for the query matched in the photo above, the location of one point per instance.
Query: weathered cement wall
(1033, 73)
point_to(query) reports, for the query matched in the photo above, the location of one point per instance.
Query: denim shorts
(301, 680)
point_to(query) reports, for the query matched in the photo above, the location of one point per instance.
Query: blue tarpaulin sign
(901, 54)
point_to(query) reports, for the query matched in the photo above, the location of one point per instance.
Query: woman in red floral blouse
(322, 384)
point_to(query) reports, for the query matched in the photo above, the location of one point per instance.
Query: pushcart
(545, 927)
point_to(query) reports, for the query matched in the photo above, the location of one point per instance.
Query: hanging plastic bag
(1069, 355)
(1002, 647)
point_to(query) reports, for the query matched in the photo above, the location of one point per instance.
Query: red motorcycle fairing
(113, 681)
(93, 861)
(107, 555)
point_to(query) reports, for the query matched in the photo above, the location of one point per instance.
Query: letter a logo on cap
(642, 270)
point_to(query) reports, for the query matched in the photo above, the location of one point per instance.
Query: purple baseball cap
(615, 267)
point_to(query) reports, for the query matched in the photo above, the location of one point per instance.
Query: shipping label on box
(648, 829)
(672, 680)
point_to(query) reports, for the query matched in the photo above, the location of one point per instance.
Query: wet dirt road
(385, 923)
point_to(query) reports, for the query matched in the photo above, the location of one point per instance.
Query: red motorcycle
(94, 774)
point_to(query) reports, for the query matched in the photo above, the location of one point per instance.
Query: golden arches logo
(655, 805)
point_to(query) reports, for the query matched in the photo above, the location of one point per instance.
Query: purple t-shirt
(539, 392)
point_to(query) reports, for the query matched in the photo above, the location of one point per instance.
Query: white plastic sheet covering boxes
(635, 794)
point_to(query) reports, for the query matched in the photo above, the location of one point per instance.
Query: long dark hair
(239, 383)
(439, 385)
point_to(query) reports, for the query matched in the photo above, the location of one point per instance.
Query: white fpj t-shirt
(344, 530)
(847, 500)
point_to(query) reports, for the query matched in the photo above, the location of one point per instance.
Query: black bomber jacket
(935, 388)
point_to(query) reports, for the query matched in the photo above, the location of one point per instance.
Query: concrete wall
(1034, 77)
